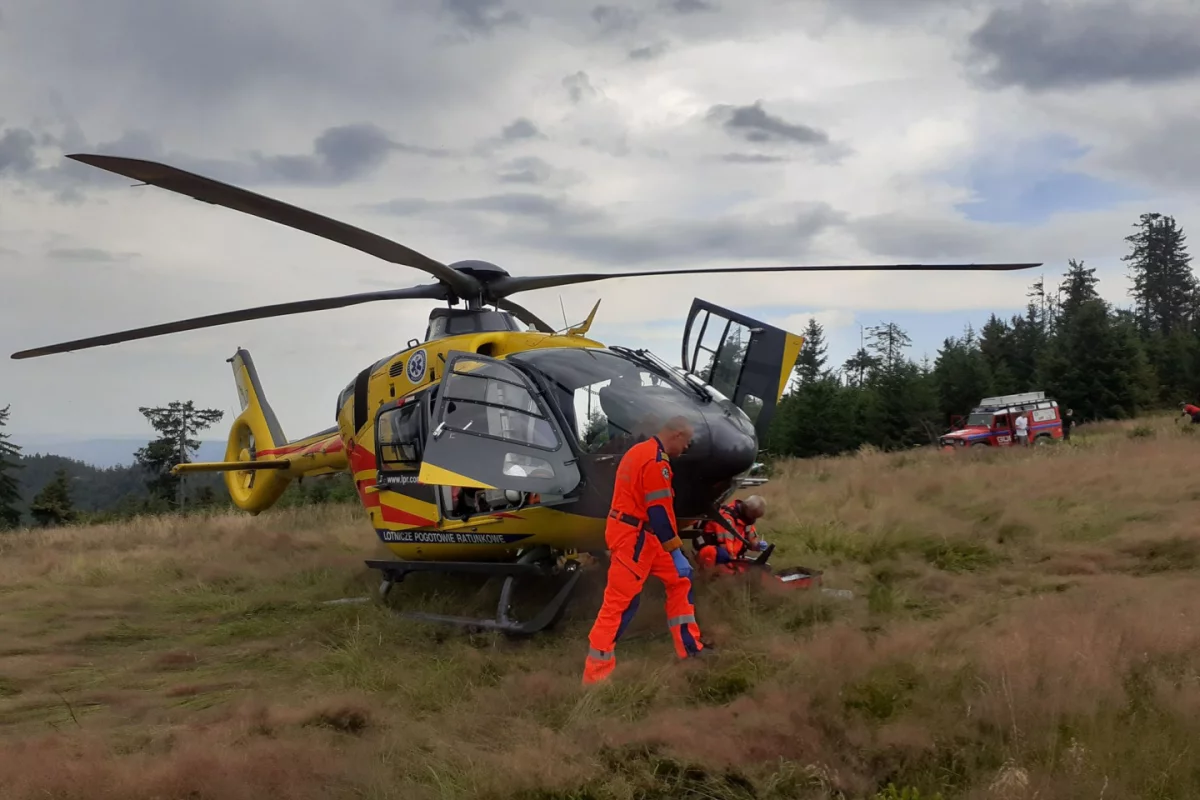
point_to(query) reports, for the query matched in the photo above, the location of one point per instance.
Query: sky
(557, 136)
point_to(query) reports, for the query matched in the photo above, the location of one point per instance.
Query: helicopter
(476, 449)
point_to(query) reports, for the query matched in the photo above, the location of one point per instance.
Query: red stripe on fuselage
(402, 517)
(330, 445)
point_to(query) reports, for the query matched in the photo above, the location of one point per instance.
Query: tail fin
(267, 433)
(255, 430)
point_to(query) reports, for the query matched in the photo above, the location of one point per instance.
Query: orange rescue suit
(641, 535)
(720, 546)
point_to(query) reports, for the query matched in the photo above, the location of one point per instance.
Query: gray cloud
(341, 154)
(649, 52)
(750, 158)
(529, 169)
(579, 87)
(754, 124)
(511, 206)
(908, 237)
(17, 151)
(1041, 45)
(687, 241)
(90, 255)
(690, 6)
(615, 19)
(1164, 155)
(592, 234)
(520, 129)
(482, 16)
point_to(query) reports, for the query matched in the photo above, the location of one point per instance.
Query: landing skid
(534, 563)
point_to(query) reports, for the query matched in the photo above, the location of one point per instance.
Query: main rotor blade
(502, 287)
(222, 194)
(429, 292)
(525, 315)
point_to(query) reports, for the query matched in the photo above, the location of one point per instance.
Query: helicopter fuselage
(434, 496)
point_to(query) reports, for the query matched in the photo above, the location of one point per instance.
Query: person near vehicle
(1021, 424)
(643, 540)
(719, 545)
(1068, 422)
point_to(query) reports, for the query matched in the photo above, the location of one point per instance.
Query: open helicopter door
(492, 429)
(744, 359)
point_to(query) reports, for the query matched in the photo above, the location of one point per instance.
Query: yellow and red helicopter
(477, 449)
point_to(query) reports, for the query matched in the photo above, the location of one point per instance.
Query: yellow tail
(259, 460)
(254, 431)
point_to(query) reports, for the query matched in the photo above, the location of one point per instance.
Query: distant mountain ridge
(104, 453)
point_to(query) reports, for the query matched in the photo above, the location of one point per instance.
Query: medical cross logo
(416, 367)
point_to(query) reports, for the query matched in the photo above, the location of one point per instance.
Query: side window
(398, 438)
(486, 401)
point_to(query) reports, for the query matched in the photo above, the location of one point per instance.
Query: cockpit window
(609, 399)
(980, 418)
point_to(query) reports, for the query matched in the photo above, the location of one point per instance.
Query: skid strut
(532, 563)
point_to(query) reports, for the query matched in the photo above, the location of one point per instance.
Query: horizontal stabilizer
(231, 466)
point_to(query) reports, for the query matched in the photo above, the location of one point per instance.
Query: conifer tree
(52, 505)
(10, 491)
(1164, 287)
(811, 363)
(1078, 286)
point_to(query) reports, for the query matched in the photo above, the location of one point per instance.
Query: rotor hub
(482, 271)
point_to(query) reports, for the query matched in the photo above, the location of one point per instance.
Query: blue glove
(762, 544)
(723, 556)
(682, 567)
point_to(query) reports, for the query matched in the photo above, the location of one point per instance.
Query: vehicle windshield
(980, 419)
(608, 398)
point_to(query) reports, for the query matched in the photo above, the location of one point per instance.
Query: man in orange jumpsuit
(643, 540)
(719, 547)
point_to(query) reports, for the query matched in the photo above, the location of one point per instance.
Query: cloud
(17, 151)
(613, 19)
(579, 87)
(640, 134)
(1162, 153)
(562, 225)
(751, 158)
(520, 129)
(754, 124)
(482, 16)
(340, 154)
(88, 255)
(529, 169)
(690, 6)
(1040, 45)
(649, 52)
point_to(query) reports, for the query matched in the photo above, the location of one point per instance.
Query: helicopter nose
(734, 447)
(722, 447)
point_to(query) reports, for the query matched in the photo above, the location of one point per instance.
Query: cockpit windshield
(980, 419)
(609, 398)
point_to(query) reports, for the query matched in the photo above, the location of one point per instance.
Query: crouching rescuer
(723, 543)
(642, 538)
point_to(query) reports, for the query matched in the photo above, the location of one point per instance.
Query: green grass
(1021, 625)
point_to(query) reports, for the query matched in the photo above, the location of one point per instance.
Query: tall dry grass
(1025, 625)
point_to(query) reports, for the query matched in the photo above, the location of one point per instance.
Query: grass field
(1024, 624)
